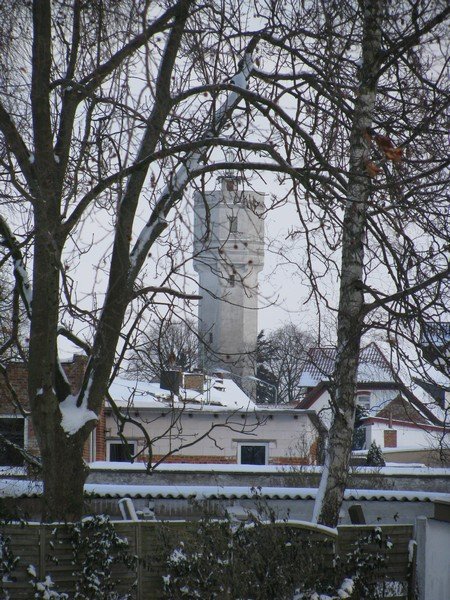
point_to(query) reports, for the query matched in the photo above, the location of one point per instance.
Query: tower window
(232, 280)
(233, 224)
(210, 337)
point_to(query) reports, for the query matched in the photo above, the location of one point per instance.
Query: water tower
(228, 256)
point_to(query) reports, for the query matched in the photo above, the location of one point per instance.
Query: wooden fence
(48, 549)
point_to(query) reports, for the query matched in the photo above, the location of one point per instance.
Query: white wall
(228, 313)
(433, 559)
(287, 437)
(407, 436)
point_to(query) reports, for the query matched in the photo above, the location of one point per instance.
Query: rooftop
(373, 366)
(219, 394)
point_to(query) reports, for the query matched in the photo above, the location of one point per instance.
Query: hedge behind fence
(50, 550)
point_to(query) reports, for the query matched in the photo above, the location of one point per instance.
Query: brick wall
(100, 440)
(17, 379)
(193, 381)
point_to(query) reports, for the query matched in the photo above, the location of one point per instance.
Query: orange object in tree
(385, 145)
(372, 169)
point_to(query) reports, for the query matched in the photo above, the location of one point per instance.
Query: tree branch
(151, 289)
(20, 272)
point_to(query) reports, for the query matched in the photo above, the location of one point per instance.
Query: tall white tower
(228, 256)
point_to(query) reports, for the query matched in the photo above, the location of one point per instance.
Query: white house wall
(289, 437)
(407, 436)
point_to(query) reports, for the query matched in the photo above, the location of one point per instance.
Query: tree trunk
(64, 475)
(351, 300)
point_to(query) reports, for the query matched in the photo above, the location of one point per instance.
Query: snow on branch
(8, 239)
(75, 416)
(172, 192)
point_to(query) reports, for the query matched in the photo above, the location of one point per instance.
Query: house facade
(391, 413)
(15, 421)
(209, 420)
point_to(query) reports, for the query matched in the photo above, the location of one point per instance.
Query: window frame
(241, 445)
(25, 434)
(364, 404)
(119, 442)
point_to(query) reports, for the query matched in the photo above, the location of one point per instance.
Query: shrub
(266, 559)
(375, 456)
(96, 547)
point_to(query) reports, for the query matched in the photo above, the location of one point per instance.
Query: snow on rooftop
(23, 488)
(218, 393)
(404, 469)
(373, 366)
(427, 400)
(206, 467)
(379, 363)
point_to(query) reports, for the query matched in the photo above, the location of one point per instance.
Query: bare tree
(163, 346)
(365, 224)
(368, 121)
(93, 94)
(280, 359)
(109, 111)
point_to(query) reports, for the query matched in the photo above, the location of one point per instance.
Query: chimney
(170, 380)
(194, 381)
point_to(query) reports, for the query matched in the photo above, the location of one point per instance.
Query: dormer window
(363, 400)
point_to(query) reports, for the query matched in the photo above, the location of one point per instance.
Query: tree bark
(351, 299)
(64, 473)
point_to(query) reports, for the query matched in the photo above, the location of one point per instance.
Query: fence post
(138, 542)
(42, 540)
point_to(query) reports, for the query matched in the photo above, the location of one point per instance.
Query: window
(232, 280)
(119, 452)
(390, 438)
(253, 454)
(359, 431)
(363, 400)
(233, 224)
(12, 428)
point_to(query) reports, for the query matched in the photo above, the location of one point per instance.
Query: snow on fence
(48, 549)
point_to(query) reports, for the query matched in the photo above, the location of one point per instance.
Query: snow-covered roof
(217, 394)
(373, 366)
(24, 488)
(404, 469)
(201, 467)
(378, 365)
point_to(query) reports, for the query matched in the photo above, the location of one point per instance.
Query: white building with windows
(228, 256)
(212, 423)
(392, 414)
